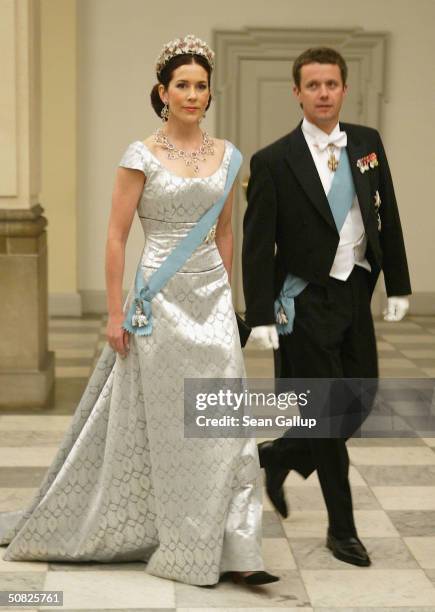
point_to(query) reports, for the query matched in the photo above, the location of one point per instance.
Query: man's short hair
(319, 55)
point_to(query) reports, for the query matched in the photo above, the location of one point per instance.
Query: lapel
(301, 162)
(355, 150)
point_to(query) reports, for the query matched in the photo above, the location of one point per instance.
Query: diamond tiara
(180, 46)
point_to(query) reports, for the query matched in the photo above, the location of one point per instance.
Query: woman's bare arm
(126, 193)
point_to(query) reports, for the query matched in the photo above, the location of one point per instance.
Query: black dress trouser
(333, 337)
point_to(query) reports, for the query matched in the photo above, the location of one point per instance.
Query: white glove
(264, 337)
(396, 309)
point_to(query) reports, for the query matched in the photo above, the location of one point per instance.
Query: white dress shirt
(351, 249)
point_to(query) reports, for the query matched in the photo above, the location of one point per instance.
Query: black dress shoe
(275, 477)
(254, 579)
(349, 550)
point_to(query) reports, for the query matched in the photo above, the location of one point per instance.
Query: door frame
(231, 46)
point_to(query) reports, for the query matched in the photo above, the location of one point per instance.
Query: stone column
(26, 365)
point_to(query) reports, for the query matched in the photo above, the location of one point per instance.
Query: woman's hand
(117, 336)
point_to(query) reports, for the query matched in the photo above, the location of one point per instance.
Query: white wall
(120, 39)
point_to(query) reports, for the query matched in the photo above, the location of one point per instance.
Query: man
(298, 227)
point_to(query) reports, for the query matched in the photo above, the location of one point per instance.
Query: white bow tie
(338, 140)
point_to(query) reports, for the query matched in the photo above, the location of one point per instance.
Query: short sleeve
(134, 157)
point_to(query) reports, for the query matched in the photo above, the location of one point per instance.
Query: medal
(332, 161)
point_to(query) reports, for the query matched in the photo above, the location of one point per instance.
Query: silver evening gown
(125, 484)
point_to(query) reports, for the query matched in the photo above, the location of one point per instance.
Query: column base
(27, 388)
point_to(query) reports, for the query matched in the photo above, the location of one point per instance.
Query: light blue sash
(340, 198)
(139, 319)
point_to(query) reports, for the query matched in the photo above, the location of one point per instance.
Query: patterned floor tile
(314, 524)
(384, 346)
(260, 368)
(406, 408)
(73, 322)
(431, 575)
(419, 353)
(21, 566)
(30, 438)
(389, 442)
(385, 553)
(21, 477)
(97, 567)
(15, 609)
(109, 589)
(73, 362)
(296, 480)
(413, 522)
(244, 609)
(272, 526)
(402, 327)
(15, 499)
(420, 339)
(21, 581)
(288, 593)
(74, 353)
(424, 362)
(423, 549)
(277, 554)
(60, 329)
(71, 341)
(398, 475)
(376, 609)
(395, 362)
(406, 455)
(37, 456)
(311, 498)
(368, 587)
(386, 355)
(422, 319)
(33, 423)
(392, 480)
(73, 371)
(388, 372)
(406, 498)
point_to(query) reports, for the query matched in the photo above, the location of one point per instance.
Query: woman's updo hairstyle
(166, 73)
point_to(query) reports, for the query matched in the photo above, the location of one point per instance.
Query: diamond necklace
(190, 158)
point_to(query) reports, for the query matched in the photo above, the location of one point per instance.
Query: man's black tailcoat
(287, 206)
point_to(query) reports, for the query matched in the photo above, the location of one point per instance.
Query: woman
(126, 485)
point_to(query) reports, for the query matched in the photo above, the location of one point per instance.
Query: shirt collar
(312, 132)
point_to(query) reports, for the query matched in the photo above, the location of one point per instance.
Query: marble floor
(393, 489)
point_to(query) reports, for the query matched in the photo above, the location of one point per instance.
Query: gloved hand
(264, 337)
(396, 309)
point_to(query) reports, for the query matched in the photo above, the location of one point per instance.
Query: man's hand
(264, 337)
(396, 309)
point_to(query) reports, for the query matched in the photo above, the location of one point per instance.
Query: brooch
(366, 162)
(211, 235)
(377, 205)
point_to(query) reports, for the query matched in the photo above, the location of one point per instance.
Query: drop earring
(164, 113)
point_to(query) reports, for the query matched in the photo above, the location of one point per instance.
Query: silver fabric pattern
(125, 484)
